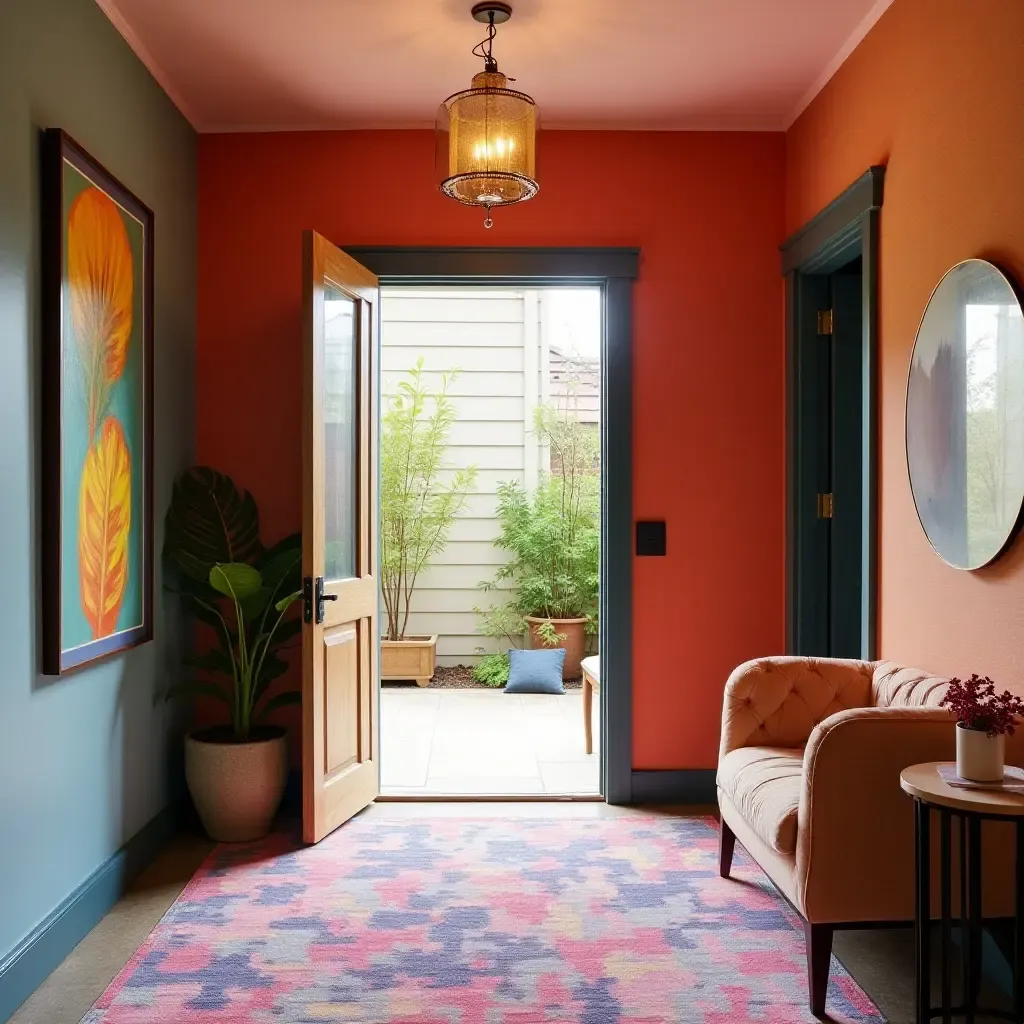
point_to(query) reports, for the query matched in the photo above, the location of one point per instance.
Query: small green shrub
(553, 535)
(492, 670)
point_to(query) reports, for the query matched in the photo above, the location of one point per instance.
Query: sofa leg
(819, 958)
(726, 845)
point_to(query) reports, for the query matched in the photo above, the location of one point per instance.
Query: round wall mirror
(965, 415)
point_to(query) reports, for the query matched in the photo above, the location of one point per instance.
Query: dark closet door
(845, 526)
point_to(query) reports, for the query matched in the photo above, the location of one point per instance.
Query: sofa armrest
(855, 826)
(777, 702)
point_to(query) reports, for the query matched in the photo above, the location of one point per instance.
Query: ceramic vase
(236, 787)
(979, 757)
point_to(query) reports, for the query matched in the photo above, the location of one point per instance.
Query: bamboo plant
(418, 506)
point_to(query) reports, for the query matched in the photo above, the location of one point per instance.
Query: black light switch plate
(650, 537)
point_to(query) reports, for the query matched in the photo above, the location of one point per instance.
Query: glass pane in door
(341, 435)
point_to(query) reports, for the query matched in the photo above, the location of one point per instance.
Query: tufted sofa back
(777, 702)
(893, 686)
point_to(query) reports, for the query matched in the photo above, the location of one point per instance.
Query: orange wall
(707, 211)
(936, 91)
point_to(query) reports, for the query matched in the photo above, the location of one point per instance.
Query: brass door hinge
(824, 323)
(826, 505)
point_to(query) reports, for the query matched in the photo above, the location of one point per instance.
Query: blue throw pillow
(536, 671)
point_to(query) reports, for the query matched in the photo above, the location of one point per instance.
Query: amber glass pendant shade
(486, 144)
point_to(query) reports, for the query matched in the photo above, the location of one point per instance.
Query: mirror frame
(1019, 519)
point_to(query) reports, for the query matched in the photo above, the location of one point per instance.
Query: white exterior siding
(492, 338)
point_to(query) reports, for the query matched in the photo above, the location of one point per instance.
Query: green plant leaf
(273, 668)
(288, 629)
(236, 580)
(203, 610)
(198, 688)
(210, 521)
(282, 561)
(253, 606)
(280, 700)
(288, 600)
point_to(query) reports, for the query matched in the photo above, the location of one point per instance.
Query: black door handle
(313, 597)
(321, 597)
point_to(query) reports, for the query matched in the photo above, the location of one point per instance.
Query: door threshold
(472, 798)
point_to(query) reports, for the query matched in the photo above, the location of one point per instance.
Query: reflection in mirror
(965, 415)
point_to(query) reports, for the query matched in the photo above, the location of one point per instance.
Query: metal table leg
(965, 953)
(923, 912)
(947, 918)
(972, 986)
(1018, 929)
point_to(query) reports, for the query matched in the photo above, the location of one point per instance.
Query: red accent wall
(936, 91)
(707, 211)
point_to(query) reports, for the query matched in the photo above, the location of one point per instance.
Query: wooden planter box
(411, 658)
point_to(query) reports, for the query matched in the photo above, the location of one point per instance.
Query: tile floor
(462, 742)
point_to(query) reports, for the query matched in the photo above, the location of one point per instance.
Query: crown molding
(341, 125)
(854, 40)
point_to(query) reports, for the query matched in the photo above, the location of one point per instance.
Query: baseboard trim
(682, 786)
(33, 959)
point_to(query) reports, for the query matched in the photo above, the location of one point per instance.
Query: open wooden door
(340, 639)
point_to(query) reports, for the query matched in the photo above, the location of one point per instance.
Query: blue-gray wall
(83, 759)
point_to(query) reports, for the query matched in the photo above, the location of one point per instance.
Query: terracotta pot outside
(236, 787)
(979, 757)
(575, 642)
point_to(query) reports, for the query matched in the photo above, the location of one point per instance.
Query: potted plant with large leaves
(418, 508)
(215, 561)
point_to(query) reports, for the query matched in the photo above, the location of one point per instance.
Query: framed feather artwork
(97, 321)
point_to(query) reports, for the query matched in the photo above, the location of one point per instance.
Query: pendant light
(486, 135)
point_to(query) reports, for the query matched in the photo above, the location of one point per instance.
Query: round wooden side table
(972, 807)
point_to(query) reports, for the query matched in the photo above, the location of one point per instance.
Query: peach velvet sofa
(808, 782)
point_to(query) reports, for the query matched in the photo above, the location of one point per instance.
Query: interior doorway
(490, 521)
(612, 271)
(831, 269)
(831, 454)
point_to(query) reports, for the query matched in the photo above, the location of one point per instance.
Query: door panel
(829, 461)
(847, 467)
(344, 720)
(341, 684)
(812, 470)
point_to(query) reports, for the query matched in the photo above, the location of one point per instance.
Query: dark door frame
(845, 229)
(614, 271)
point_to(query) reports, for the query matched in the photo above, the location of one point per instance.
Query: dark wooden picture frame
(97, 410)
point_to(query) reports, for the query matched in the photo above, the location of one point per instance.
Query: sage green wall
(83, 759)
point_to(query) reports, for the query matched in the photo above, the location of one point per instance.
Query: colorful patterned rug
(478, 921)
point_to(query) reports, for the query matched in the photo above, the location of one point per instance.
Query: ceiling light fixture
(486, 135)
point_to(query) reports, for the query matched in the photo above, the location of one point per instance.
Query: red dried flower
(976, 705)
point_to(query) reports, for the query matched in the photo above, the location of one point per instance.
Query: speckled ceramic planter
(236, 787)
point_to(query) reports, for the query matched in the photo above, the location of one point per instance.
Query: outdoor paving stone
(452, 741)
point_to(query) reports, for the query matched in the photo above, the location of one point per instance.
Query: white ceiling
(253, 65)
